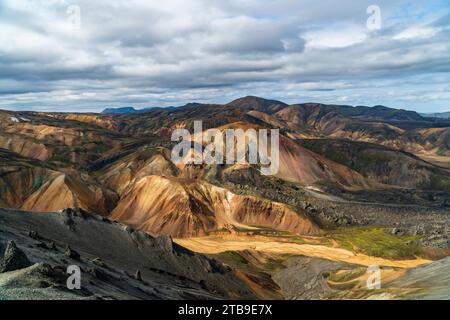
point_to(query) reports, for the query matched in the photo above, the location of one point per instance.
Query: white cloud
(417, 32)
(336, 37)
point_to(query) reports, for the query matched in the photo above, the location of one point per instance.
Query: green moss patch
(377, 242)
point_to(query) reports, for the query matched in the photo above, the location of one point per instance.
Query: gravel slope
(110, 256)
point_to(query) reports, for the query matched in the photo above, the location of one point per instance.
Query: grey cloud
(149, 53)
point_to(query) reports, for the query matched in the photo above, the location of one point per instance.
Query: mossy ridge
(232, 257)
(276, 263)
(347, 275)
(377, 242)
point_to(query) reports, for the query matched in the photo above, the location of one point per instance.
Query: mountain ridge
(126, 110)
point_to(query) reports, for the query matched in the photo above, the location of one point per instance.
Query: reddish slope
(183, 208)
(67, 191)
(298, 164)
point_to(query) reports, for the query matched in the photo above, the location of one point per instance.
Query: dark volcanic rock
(138, 275)
(75, 212)
(53, 246)
(72, 254)
(34, 235)
(165, 242)
(99, 262)
(14, 259)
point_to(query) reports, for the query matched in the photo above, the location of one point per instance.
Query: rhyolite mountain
(110, 163)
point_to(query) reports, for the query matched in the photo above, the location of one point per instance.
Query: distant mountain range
(442, 115)
(249, 103)
(125, 110)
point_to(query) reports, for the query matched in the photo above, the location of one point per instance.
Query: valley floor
(215, 245)
(311, 270)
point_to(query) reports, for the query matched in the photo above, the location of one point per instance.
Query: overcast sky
(163, 53)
